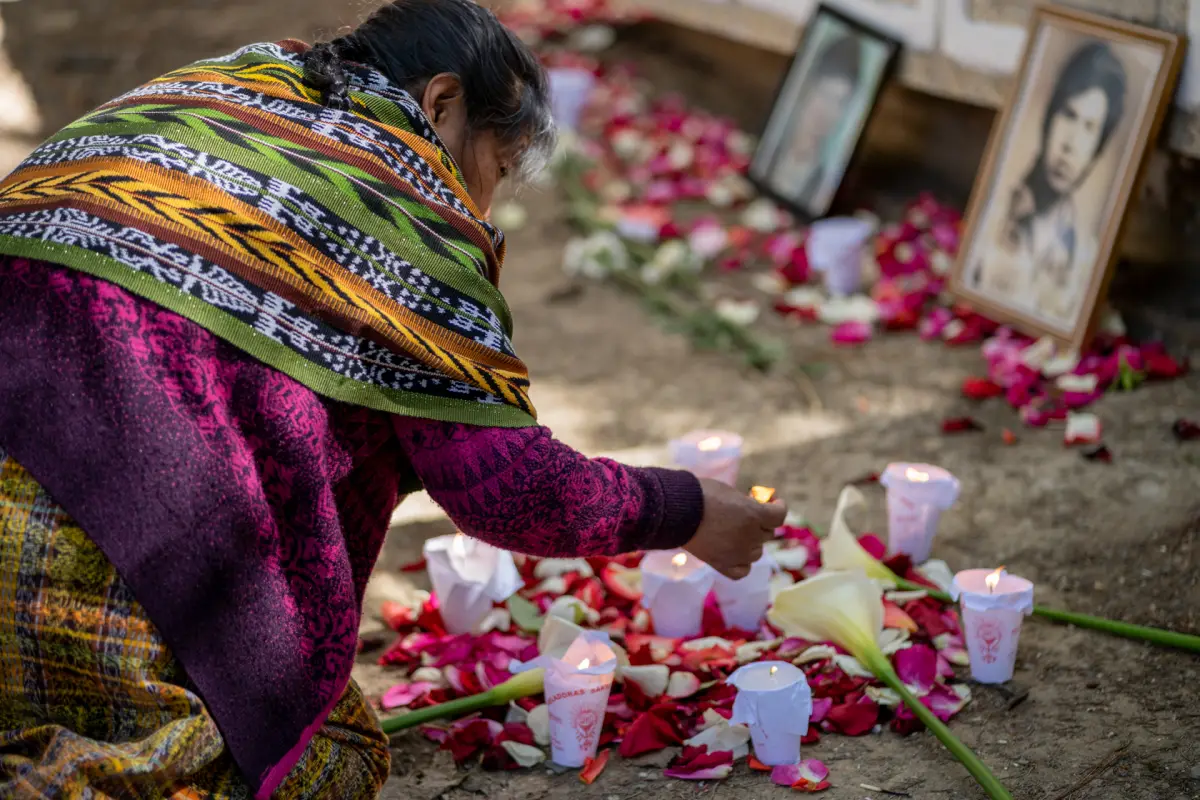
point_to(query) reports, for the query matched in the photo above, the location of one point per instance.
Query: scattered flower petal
(723, 737)
(538, 721)
(525, 755)
(981, 389)
(960, 425)
(851, 332)
(1082, 429)
(592, 767)
(682, 684)
(698, 764)
(1185, 430)
(403, 695)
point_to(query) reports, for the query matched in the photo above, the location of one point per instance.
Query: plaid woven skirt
(93, 704)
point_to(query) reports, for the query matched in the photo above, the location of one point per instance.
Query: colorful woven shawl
(339, 248)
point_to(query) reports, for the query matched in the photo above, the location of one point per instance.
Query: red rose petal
(758, 766)
(960, 425)
(873, 545)
(1100, 453)
(697, 764)
(1185, 430)
(981, 389)
(652, 731)
(592, 767)
(854, 718)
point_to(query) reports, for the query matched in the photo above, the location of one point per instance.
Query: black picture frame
(859, 28)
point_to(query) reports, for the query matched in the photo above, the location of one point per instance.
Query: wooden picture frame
(832, 81)
(1063, 161)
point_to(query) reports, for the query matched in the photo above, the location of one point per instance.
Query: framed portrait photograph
(820, 111)
(1065, 157)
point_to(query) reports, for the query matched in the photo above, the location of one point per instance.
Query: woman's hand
(734, 527)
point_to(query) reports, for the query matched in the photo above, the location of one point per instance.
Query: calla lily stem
(525, 684)
(1158, 636)
(451, 708)
(979, 771)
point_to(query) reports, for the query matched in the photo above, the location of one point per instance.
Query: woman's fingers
(773, 513)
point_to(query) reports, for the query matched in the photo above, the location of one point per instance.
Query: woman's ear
(445, 105)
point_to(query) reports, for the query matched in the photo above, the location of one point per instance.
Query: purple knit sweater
(246, 513)
(524, 490)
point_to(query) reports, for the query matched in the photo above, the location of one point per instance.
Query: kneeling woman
(245, 309)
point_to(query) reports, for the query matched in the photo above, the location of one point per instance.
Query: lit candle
(994, 604)
(763, 494)
(577, 689)
(917, 494)
(774, 701)
(468, 577)
(708, 454)
(744, 602)
(674, 586)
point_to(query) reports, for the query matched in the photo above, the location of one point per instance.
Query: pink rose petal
(405, 694)
(851, 332)
(917, 667)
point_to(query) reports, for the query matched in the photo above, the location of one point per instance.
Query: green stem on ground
(451, 708)
(524, 684)
(878, 664)
(1158, 636)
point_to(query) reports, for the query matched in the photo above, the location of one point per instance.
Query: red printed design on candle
(990, 635)
(587, 723)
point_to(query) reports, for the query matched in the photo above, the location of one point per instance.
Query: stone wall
(960, 49)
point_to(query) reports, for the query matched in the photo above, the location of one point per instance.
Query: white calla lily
(845, 608)
(840, 550)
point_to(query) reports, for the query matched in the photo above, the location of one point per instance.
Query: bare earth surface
(1117, 540)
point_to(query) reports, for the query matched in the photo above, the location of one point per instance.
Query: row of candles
(773, 699)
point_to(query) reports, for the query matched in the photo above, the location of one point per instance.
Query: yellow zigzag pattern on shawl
(287, 83)
(257, 242)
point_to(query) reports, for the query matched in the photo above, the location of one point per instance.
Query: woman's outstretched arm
(523, 490)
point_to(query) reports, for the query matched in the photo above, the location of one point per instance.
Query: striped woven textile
(115, 714)
(340, 248)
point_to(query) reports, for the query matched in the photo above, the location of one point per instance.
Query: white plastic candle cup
(917, 494)
(577, 689)
(992, 620)
(469, 577)
(709, 454)
(774, 701)
(744, 602)
(835, 247)
(674, 585)
(569, 92)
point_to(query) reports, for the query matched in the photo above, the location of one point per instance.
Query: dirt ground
(1117, 540)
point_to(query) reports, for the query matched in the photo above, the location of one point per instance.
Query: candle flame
(774, 670)
(709, 444)
(763, 494)
(679, 560)
(993, 580)
(916, 475)
(587, 662)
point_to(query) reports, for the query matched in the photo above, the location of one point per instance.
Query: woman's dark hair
(505, 89)
(841, 58)
(1092, 66)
